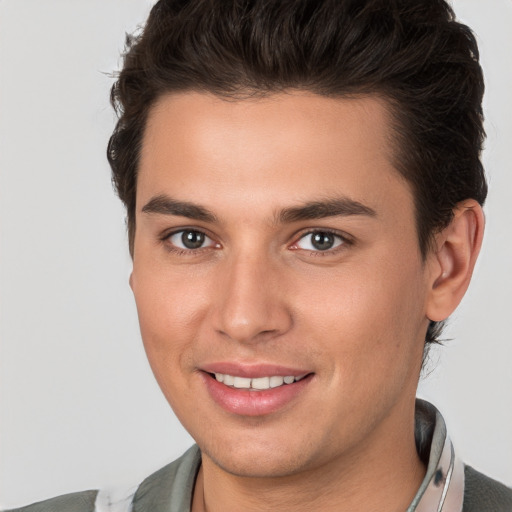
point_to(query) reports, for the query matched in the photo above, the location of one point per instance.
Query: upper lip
(253, 370)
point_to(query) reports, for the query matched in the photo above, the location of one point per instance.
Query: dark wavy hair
(412, 53)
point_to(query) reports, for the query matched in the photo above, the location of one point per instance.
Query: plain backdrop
(79, 406)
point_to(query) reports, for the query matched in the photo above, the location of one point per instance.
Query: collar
(442, 489)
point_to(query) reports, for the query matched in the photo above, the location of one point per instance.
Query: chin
(259, 456)
(257, 465)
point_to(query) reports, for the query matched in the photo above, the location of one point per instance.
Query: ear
(453, 259)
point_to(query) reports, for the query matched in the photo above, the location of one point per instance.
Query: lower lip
(245, 402)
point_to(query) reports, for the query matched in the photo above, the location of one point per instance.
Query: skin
(257, 291)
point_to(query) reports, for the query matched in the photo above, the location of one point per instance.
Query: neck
(382, 476)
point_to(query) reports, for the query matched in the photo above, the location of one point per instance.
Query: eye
(319, 241)
(190, 239)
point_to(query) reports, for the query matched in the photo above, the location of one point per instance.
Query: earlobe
(453, 259)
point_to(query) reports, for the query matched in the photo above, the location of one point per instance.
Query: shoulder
(75, 502)
(484, 493)
(170, 486)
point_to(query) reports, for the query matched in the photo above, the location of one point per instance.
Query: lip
(244, 402)
(253, 371)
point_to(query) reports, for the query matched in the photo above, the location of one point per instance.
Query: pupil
(192, 239)
(322, 241)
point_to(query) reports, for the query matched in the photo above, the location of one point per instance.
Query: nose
(251, 304)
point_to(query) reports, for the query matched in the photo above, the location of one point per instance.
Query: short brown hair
(413, 53)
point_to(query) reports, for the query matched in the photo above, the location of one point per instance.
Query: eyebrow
(341, 206)
(166, 205)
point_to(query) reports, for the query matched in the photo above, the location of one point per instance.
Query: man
(304, 190)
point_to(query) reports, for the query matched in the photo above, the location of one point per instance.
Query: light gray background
(79, 406)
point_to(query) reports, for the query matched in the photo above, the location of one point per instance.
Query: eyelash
(166, 237)
(344, 239)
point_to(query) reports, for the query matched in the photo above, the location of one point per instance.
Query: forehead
(272, 150)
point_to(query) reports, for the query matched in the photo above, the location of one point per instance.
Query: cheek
(169, 309)
(165, 322)
(168, 301)
(370, 314)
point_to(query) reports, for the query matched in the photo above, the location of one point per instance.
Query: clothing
(448, 486)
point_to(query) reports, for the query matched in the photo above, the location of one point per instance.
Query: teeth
(276, 381)
(242, 382)
(229, 380)
(261, 383)
(257, 384)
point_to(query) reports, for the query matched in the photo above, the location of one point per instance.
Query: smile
(256, 384)
(255, 390)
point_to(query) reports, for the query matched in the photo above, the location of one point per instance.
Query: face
(278, 280)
